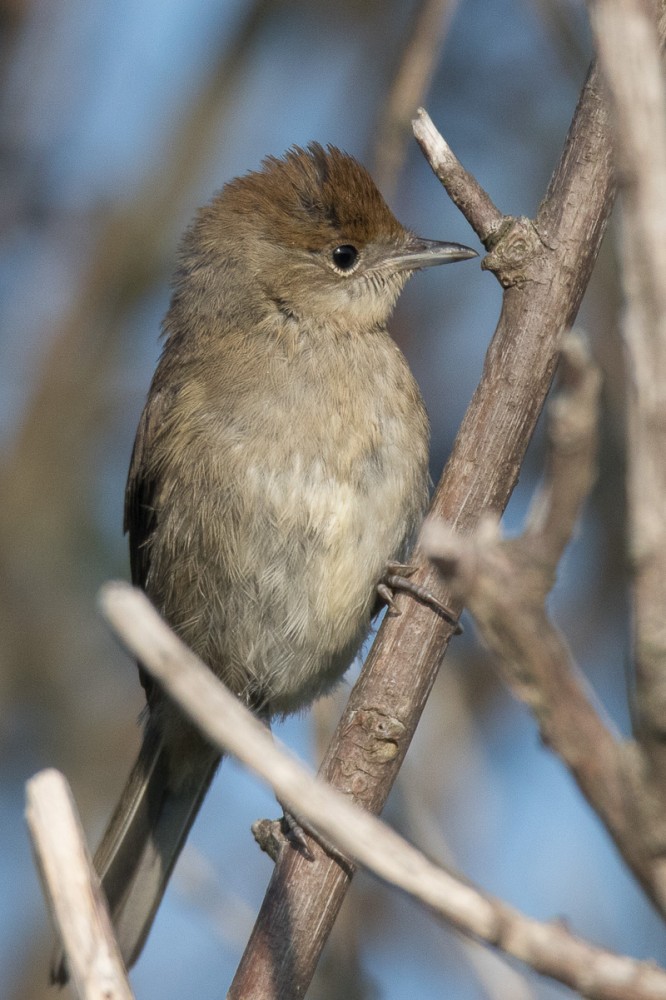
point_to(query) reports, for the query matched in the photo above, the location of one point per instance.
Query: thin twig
(464, 190)
(550, 949)
(73, 891)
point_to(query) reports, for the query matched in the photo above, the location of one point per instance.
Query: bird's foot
(272, 835)
(396, 577)
(295, 834)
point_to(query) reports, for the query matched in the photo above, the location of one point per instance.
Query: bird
(280, 466)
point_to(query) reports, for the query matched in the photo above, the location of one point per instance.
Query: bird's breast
(310, 488)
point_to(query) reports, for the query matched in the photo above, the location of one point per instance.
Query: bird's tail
(141, 844)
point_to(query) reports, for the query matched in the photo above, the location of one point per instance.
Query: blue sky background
(96, 96)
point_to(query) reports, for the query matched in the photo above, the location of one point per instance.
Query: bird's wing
(140, 516)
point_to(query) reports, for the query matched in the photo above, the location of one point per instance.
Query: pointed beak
(418, 253)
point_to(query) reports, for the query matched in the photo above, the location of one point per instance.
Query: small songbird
(280, 465)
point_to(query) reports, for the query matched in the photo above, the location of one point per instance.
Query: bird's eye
(345, 257)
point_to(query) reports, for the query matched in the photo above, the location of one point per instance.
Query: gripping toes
(396, 577)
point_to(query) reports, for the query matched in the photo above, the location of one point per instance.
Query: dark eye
(345, 257)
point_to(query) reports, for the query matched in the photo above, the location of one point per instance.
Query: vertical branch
(545, 267)
(629, 53)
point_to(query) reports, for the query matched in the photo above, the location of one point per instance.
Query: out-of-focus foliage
(117, 120)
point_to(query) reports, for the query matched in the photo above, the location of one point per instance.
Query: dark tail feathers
(141, 845)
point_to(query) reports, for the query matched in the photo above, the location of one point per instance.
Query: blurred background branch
(630, 54)
(410, 85)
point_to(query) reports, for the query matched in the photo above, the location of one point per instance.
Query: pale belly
(318, 587)
(275, 575)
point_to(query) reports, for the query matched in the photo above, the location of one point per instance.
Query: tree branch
(505, 585)
(545, 276)
(573, 419)
(73, 892)
(550, 949)
(628, 45)
(464, 190)
(430, 24)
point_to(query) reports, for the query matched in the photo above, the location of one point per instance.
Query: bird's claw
(397, 578)
(295, 834)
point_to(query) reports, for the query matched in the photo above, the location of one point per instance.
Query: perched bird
(280, 464)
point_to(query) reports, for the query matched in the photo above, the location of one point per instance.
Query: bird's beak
(418, 253)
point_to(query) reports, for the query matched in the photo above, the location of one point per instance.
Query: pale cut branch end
(463, 189)
(72, 890)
